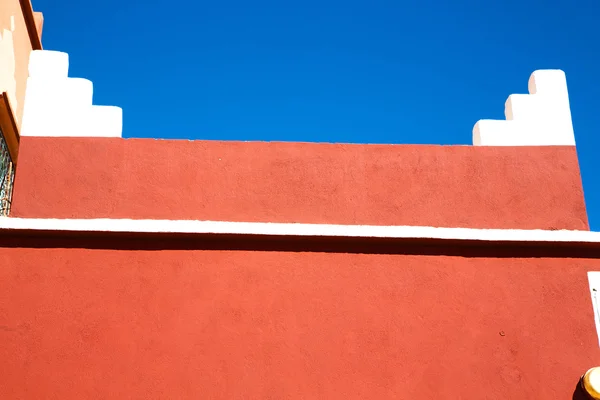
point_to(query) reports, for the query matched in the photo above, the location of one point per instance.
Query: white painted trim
(296, 229)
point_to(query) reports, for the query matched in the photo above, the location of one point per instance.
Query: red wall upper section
(451, 186)
(206, 324)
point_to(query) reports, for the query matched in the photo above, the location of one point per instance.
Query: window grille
(7, 175)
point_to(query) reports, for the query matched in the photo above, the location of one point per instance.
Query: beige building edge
(18, 23)
(20, 33)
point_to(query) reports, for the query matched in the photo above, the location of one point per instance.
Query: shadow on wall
(580, 394)
(315, 244)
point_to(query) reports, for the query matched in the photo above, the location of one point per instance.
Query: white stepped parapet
(540, 118)
(56, 105)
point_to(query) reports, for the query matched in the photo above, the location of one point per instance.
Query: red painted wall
(451, 186)
(78, 323)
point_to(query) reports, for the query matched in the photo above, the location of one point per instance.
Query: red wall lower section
(451, 186)
(204, 324)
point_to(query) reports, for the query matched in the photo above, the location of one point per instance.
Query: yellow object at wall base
(590, 383)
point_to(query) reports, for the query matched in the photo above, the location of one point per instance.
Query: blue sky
(329, 70)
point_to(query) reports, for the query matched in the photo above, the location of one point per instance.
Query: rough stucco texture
(450, 186)
(203, 324)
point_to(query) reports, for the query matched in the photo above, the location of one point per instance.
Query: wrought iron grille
(7, 176)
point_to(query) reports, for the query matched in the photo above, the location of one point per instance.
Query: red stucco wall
(452, 186)
(80, 323)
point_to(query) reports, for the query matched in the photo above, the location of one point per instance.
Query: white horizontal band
(296, 229)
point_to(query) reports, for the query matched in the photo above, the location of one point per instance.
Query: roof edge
(28, 15)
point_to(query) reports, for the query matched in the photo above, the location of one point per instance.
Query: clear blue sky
(392, 71)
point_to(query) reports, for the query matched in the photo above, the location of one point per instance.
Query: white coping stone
(48, 64)
(105, 121)
(56, 93)
(91, 121)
